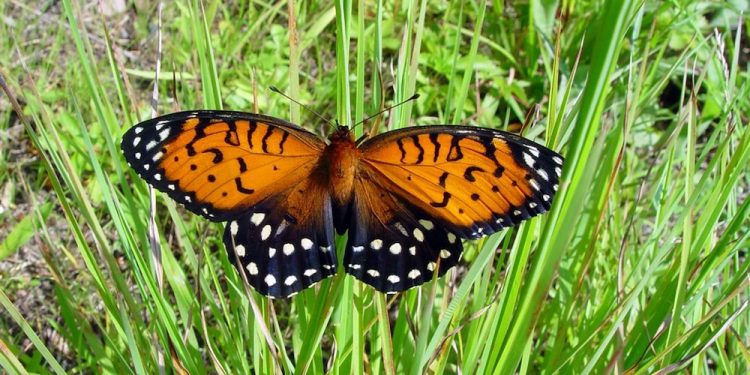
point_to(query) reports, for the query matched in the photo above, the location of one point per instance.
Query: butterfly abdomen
(342, 156)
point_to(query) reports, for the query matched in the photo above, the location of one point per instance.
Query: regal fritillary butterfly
(406, 197)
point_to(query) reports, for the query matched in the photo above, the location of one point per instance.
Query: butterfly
(406, 197)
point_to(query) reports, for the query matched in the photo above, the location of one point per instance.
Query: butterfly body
(343, 158)
(405, 197)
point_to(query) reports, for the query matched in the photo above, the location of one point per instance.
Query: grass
(640, 267)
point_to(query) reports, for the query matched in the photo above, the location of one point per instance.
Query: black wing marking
(279, 252)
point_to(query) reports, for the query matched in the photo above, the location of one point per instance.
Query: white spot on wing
(528, 159)
(310, 271)
(532, 204)
(164, 134)
(306, 243)
(288, 249)
(418, 235)
(138, 155)
(557, 160)
(376, 244)
(290, 280)
(146, 166)
(413, 274)
(233, 228)
(171, 186)
(357, 249)
(395, 248)
(445, 254)
(426, 224)
(159, 154)
(265, 232)
(431, 266)
(543, 173)
(355, 266)
(281, 227)
(257, 218)
(413, 250)
(401, 228)
(136, 141)
(270, 280)
(373, 273)
(451, 238)
(150, 145)
(157, 177)
(271, 252)
(394, 279)
(533, 150)
(516, 212)
(252, 268)
(138, 130)
(534, 184)
(239, 250)
(558, 171)
(545, 197)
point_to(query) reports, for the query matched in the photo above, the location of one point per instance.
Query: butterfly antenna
(413, 97)
(274, 89)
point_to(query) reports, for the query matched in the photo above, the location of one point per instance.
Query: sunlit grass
(641, 265)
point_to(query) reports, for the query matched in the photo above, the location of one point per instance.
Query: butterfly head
(342, 134)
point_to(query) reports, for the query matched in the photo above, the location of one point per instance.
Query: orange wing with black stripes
(254, 171)
(473, 180)
(219, 163)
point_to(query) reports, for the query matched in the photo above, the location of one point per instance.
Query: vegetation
(640, 267)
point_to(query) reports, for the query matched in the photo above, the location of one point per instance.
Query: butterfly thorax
(343, 158)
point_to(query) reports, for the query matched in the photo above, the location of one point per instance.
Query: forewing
(474, 181)
(393, 245)
(220, 163)
(285, 244)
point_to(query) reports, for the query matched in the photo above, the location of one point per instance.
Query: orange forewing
(463, 176)
(232, 167)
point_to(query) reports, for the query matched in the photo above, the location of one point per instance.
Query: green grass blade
(29, 331)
